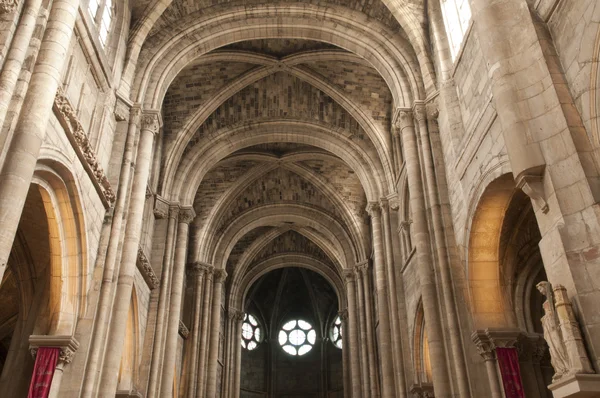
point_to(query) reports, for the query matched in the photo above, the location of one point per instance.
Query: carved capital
(419, 112)
(533, 186)
(68, 346)
(393, 201)
(403, 118)
(183, 330)
(349, 276)
(433, 111)
(485, 347)
(122, 111)
(362, 268)
(161, 208)
(146, 270)
(8, 6)
(235, 315)
(373, 209)
(220, 275)
(405, 225)
(66, 355)
(198, 268)
(343, 314)
(150, 122)
(174, 212)
(186, 215)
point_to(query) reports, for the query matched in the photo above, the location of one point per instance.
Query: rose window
(336, 333)
(251, 333)
(297, 337)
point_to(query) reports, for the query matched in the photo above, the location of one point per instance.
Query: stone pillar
(486, 350)
(388, 389)
(353, 334)
(362, 328)
(30, 132)
(106, 295)
(122, 301)
(163, 304)
(441, 381)
(186, 215)
(343, 314)
(68, 346)
(239, 318)
(442, 255)
(550, 154)
(198, 270)
(370, 326)
(215, 325)
(393, 302)
(204, 333)
(234, 337)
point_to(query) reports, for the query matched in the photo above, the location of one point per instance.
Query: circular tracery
(336, 333)
(297, 337)
(251, 333)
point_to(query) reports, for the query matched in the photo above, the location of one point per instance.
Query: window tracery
(251, 333)
(336, 333)
(297, 337)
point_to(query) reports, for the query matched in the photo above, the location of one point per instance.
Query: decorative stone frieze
(8, 6)
(183, 330)
(146, 270)
(74, 130)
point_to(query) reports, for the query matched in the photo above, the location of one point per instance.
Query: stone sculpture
(562, 333)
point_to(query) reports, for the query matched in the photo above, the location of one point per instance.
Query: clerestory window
(297, 337)
(251, 333)
(336, 333)
(457, 16)
(102, 11)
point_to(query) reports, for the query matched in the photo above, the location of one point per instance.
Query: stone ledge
(577, 386)
(146, 270)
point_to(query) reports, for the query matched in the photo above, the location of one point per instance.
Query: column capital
(419, 111)
(394, 201)
(220, 275)
(489, 339)
(433, 110)
(186, 215)
(349, 276)
(8, 6)
(403, 118)
(484, 345)
(373, 209)
(343, 314)
(161, 207)
(174, 212)
(362, 268)
(198, 268)
(151, 121)
(68, 346)
(235, 315)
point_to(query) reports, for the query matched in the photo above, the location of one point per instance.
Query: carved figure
(562, 333)
(552, 333)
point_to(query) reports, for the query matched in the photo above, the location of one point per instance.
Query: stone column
(198, 270)
(393, 302)
(163, 304)
(204, 333)
(30, 132)
(186, 215)
(441, 381)
(231, 374)
(388, 389)
(442, 255)
(106, 295)
(362, 328)
(237, 354)
(68, 346)
(343, 314)
(370, 327)
(122, 301)
(11, 69)
(213, 353)
(352, 332)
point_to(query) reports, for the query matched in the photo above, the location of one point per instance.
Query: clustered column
(211, 379)
(352, 333)
(186, 215)
(364, 271)
(362, 330)
(422, 242)
(388, 388)
(198, 271)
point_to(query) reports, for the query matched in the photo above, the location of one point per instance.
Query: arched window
(102, 11)
(297, 337)
(457, 15)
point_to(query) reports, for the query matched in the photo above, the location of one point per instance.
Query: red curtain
(508, 361)
(43, 371)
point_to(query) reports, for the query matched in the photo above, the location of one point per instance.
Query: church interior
(300, 198)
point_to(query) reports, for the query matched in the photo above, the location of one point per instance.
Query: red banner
(43, 371)
(508, 361)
